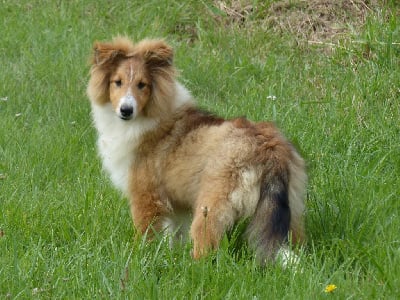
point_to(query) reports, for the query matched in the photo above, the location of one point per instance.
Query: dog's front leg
(147, 205)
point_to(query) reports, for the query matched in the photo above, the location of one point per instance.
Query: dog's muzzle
(126, 111)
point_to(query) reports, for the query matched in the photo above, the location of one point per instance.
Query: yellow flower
(330, 288)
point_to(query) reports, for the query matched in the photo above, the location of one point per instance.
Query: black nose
(126, 111)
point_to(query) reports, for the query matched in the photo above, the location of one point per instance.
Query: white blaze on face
(127, 108)
(131, 74)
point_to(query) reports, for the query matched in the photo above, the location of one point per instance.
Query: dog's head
(137, 79)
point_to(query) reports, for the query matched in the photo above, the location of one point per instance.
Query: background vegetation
(326, 73)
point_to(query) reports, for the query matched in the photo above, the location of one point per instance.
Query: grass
(66, 233)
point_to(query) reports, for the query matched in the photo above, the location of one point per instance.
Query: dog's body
(175, 162)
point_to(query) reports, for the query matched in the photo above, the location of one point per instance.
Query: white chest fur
(117, 142)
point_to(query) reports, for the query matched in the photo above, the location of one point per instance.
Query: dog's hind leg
(225, 198)
(213, 215)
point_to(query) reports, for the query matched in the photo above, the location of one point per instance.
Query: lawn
(333, 88)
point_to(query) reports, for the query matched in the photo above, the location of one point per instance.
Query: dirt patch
(310, 20)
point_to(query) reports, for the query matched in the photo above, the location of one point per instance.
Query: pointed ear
(157, 53)
(107, 52)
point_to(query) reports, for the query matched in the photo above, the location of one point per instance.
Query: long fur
(181, 167)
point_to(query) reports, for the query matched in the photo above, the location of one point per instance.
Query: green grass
(66, 233)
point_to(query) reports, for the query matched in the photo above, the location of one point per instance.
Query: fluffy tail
(279, 213)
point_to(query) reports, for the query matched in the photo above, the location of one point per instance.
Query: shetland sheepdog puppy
(185, 170)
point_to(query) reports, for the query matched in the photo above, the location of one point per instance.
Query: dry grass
(310, 20)
(236, 11)
(319, 20)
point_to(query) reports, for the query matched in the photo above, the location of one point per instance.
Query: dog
(185, 170)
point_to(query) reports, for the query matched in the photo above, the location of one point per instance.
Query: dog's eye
(118, 83)
(141, 85)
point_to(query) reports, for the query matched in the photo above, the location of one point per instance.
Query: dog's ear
(104, 53)
(156, 53)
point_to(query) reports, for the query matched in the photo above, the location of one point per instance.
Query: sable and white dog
(178, 164)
